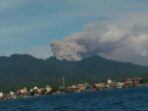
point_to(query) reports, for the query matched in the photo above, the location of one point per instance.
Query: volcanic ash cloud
(124, 41)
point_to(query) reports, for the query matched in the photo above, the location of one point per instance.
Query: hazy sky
(29, 26)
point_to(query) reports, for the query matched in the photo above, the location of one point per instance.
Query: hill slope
(25, 70)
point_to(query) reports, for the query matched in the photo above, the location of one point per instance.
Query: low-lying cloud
(125, 39)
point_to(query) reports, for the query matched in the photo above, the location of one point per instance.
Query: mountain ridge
(26, 70)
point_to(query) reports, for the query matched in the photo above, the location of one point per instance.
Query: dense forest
(25, 70)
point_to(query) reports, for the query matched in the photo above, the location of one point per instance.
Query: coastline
(78, 88)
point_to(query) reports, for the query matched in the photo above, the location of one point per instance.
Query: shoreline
(62, 94)
(79, 88)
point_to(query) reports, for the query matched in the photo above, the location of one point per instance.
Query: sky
(30, 26)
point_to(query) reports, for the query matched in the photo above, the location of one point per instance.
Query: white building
(109, 82)
(48, 89)
(1, 95)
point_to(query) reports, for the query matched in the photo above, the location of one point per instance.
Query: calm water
(133, 99)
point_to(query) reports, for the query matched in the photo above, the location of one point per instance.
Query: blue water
(132, 99)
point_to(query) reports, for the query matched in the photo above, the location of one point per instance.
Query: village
(77, 88)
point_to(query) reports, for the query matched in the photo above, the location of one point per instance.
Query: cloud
(124, 39)
(33, 22)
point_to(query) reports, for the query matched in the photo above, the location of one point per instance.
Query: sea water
(130, 99)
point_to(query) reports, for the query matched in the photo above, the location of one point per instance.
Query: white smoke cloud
(125, 39)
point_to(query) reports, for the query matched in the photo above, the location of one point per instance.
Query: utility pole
(63, 82)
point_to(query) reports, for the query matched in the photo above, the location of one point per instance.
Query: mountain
(25, 70)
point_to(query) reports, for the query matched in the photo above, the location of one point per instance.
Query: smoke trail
(125, 40)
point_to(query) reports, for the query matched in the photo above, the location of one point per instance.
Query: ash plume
(124, 40)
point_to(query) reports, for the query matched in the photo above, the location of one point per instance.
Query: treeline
(24, 70)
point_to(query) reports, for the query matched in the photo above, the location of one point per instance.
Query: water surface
(132, 99)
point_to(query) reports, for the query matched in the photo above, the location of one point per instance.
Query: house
(1, 95)
(24, 91)
(34, 90)
(48, 89)
(99, 86)
(109, 82)
(129, 82)
(72, 88)
(11, 95)
(120, 84)
(81, 87)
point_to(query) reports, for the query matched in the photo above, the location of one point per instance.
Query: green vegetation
(24, 70)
